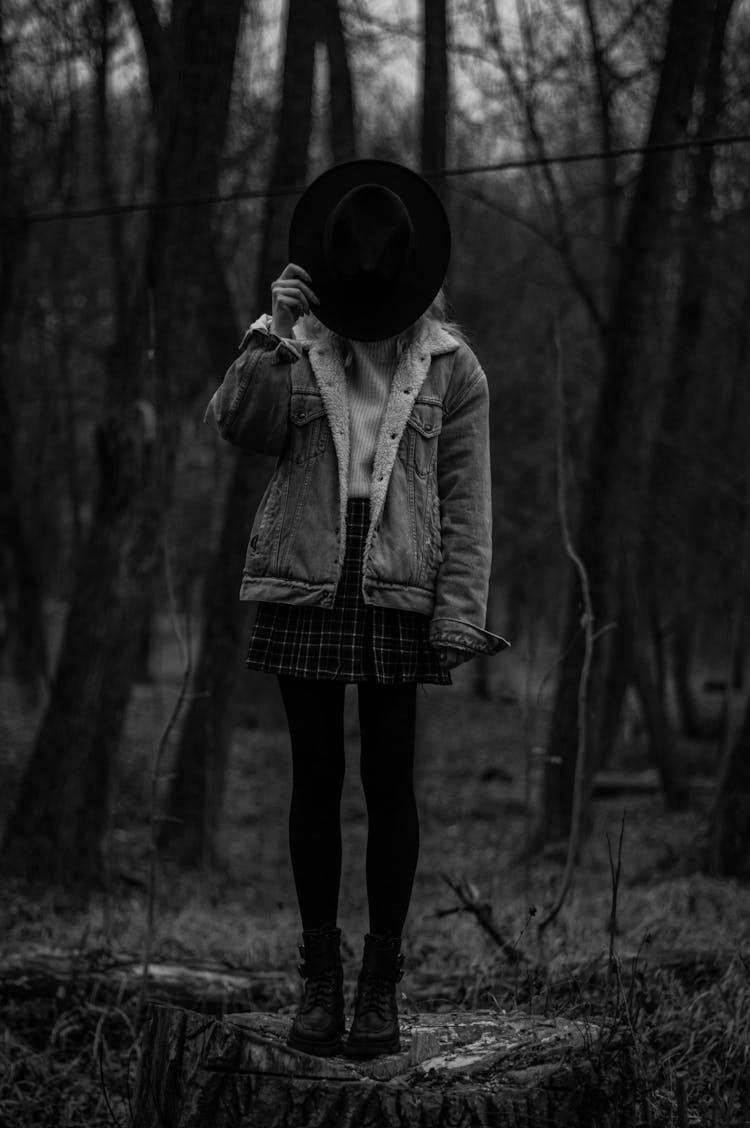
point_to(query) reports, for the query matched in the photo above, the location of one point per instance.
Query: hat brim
(342, 309)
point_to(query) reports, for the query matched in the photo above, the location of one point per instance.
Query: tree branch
(609, 168)
(522, 91)
(587, 623)
(472, 903)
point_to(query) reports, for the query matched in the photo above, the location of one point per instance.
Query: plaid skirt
(350, 641)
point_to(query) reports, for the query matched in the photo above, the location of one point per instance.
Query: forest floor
(679, 986)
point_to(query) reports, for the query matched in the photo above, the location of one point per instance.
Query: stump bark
(460, 1069)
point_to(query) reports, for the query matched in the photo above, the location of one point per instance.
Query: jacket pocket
(309, 430)
(263, 547)
(422, 430)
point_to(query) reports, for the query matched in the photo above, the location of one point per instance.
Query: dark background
(594, 160)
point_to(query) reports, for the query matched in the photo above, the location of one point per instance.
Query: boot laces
(320, 991)
(375, 995)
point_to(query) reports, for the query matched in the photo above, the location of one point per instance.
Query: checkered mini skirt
(351, 641)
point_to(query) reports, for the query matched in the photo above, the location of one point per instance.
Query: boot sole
(317, 1049)
(372, 1050)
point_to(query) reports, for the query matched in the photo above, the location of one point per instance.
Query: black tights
(315, 712)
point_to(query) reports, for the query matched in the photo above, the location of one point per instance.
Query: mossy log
(464, 1069)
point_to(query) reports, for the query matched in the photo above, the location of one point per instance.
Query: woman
(370, 552)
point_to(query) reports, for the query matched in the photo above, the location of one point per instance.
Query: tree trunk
(478, 1068)
(729, 823)
(643, 666)
(196, 793)
(305, 27)
(194, 804)
(20, 590)
(434, 134)
(669, 492)
(22, 632)
(57, 826)
(692, 724)
(341, 98)
(610, 528)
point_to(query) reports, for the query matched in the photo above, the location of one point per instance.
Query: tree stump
(480, 1068)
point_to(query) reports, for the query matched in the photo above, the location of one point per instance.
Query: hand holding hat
(291, 297)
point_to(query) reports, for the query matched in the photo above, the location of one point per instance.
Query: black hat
(375, 240)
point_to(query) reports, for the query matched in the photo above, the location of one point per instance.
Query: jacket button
(300, 417)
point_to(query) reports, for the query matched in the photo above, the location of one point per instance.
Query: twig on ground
(103, 1084)
(482, 910)
(681, 1095)
(614, 872)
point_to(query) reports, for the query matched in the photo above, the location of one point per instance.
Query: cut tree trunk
(468, 1068)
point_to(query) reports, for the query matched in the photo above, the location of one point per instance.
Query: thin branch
(523, 94)
(615, 872)
(608, 168)
(156, 775)
(471, 902)
(587, 624)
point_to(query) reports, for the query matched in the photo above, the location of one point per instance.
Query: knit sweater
(369, 374)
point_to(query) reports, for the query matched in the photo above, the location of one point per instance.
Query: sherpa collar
(412, 367)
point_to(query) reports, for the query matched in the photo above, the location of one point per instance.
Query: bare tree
(669, 519)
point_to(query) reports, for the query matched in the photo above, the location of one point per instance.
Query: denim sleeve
(251, 406)
(465, 491)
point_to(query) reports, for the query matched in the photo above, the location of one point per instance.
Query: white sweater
(368, 384)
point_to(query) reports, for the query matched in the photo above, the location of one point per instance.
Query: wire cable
(512, 164)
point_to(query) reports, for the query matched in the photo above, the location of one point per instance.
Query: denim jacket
(429, 544)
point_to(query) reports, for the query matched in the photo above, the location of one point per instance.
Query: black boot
(375, 1027)
(318, 1026)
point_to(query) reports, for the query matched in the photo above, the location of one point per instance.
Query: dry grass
(64, 1061)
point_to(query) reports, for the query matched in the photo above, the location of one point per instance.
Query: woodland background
(594, 158)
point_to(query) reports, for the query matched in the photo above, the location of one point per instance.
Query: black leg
(315, 714)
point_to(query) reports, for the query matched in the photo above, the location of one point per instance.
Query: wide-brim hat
(374, 238)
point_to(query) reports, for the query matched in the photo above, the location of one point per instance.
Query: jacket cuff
(465, 636)
(284, 349)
